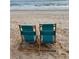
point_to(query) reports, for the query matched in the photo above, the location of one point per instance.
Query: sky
(38, 0)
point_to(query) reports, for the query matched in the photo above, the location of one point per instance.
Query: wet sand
(61, 18)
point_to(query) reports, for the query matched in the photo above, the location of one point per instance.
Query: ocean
(39, 4)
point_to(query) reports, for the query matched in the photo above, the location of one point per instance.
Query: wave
(41, 8)
(39, 5)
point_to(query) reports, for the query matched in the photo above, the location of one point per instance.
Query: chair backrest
(48, 33)
(47, 27)
(28, 33)
(26, 28)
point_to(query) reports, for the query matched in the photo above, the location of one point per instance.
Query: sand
(61, 18)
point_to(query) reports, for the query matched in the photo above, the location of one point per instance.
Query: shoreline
(41, 10)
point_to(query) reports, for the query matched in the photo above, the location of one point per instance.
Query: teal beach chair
(48, 33)
(28, 33)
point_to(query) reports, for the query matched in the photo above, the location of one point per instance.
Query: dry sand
(61, 18)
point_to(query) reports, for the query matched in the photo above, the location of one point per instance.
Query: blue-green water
(39, 4)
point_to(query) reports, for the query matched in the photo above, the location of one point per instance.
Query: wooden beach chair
(47, 34)
(28, 34)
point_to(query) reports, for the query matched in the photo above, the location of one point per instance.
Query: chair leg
(48, 46)
(20, 46)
